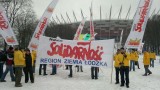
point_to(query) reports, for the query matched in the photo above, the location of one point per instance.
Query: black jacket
(28, 60)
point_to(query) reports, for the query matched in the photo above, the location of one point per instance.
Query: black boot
(122, 85)
(117, 83)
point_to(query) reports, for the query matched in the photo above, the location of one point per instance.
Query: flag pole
(112, 64)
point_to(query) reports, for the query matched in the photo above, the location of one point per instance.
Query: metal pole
(68, 17)
(109, 33)
(82, 14)
(100, 35)
(100, 14)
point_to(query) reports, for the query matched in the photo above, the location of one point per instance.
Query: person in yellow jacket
(137, 57)
(124, 59)
(34, 55)
(133, 59)
(146, 62)
(152, 58)
(19, 63)
(23, 51)
(117, 66)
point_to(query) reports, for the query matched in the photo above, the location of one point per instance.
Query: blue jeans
(34, 66)
(1, 69)
(54, 69)
(8, 68)
(151, 62)
(132, 65)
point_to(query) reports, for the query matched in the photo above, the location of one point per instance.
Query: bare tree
(22, 19)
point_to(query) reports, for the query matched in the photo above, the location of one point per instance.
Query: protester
(133, 59)
(34, 54)
(54, 69)
(117, 66)
(94, 72)
(146, 61)
(19, 62)
(79, 67)
(44, 69)
(71, 72)
(2, 60)
(9, 65)
(66, 67)
(23, 51)
(152, 58)
(28, 69)
(137, 57)
(124, 59)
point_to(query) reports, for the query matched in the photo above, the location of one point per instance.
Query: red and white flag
(42, 25)
(5, 29)
(79, 30)
(139, 24)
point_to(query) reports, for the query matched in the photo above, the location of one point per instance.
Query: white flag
(5, 29)
(42, 25)
(139, 24)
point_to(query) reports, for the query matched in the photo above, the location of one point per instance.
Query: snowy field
(83, 81)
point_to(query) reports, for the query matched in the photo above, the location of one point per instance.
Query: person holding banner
(19, 62)
(152, 58)
(66, 67)
(117, 66)
(94, 72)
(54, 69)
(124, 59)
(71, 71)
(79, 67)
(146, 61)
(44, 69)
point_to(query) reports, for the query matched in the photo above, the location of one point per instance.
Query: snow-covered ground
(83, 81)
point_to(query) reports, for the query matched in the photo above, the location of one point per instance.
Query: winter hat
(27, 50)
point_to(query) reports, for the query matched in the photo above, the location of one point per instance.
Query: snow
(83, 81)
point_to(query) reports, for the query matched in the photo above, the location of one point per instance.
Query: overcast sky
(69, 6)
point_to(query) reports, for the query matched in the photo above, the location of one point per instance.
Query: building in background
(109, 29)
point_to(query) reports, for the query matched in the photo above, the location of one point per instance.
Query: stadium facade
(109, 29)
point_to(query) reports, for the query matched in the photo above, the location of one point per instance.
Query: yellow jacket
(146, 58)
(124, 60)
(152, 55)
(19, 59)
(137, 55)
(133, 56)
(34, 54)
(116, 61)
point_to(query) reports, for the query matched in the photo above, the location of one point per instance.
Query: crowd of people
(124, 62)
(17, 61)
(22, 62)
